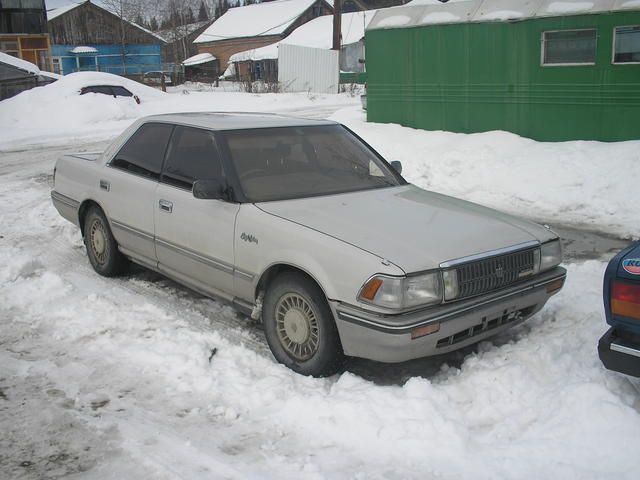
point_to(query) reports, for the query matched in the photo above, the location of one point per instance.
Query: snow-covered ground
(581, 183)
(138, 377)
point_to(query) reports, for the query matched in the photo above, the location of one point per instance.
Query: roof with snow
(261, 19)
(82, 49)
(19, 63)
(59, 11)
(198, 59)
(317, 33)
(432, 12)
(172, 34)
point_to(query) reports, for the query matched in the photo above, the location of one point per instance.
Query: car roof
(235, 120)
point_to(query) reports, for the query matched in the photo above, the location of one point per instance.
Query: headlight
(550, 255)
(402, 292)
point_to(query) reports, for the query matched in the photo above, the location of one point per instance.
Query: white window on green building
(626, 44)
(569, 47)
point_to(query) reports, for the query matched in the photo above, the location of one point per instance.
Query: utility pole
(337, 23)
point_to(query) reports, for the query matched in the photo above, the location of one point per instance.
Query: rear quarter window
(121, 91)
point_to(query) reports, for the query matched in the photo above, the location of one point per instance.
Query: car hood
(410, 227)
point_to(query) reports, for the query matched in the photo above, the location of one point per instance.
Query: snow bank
(583, 183)
(57, 113)
(60, 107)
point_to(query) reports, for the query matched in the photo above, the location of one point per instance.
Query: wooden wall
(92, 25)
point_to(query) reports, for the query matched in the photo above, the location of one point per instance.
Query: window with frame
(626, 45)
(10, 48)
(144, 151)
(57, 65)
(192, 156)
(569, 47)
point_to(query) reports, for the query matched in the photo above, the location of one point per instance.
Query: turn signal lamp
(625, 299)
(371, 288)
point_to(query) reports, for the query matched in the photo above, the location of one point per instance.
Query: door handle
(166, 205)
(104, 185)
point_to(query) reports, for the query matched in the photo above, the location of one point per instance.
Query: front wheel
(299, 326)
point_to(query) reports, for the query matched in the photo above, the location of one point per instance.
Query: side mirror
(210, 189)
(397, 166)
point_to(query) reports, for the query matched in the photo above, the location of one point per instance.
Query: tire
(300, 328)
(102, 249)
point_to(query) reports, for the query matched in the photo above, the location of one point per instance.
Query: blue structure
(88, 37)
(138, 59)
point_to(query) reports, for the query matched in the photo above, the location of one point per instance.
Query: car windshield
(297, 162)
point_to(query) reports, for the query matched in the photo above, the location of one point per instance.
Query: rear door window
(193, 155)
(121, 91)
(144, 151)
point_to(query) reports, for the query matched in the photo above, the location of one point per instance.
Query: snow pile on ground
(59, 107)
(139, 378)
(583, 183)
(56, 113)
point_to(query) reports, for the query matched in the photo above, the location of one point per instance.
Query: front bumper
(618, 354)
(391, 338)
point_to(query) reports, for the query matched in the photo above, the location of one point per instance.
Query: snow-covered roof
(54, 76)
(82, 49)
(172, 34)
(19, 63)
(198, 59)
(432, 12)
(261, 19)
(56, 12)
(318, 33)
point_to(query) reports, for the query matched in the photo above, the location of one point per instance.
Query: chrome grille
(483, 276)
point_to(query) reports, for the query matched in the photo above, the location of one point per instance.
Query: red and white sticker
(632, 266)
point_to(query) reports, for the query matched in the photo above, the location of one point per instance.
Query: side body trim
(68, 201)
(211, 262)
(132, 230)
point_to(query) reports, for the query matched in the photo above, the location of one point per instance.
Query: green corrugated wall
(476, 77)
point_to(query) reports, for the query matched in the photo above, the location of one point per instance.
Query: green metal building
(546, 69)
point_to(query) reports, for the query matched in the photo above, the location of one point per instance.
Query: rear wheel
(102, 249)
(299, 326)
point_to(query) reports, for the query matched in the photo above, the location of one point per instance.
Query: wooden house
(254, 26)
(23, 31)
(86, 36)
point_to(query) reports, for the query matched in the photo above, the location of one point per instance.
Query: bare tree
(126, 11)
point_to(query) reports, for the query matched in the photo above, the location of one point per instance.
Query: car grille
(490, 274)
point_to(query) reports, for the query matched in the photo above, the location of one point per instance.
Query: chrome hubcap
(98, 241)
(297, 326)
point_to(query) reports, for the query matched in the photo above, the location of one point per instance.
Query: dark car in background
(155, 78)
(111, 90)
(619, 348)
